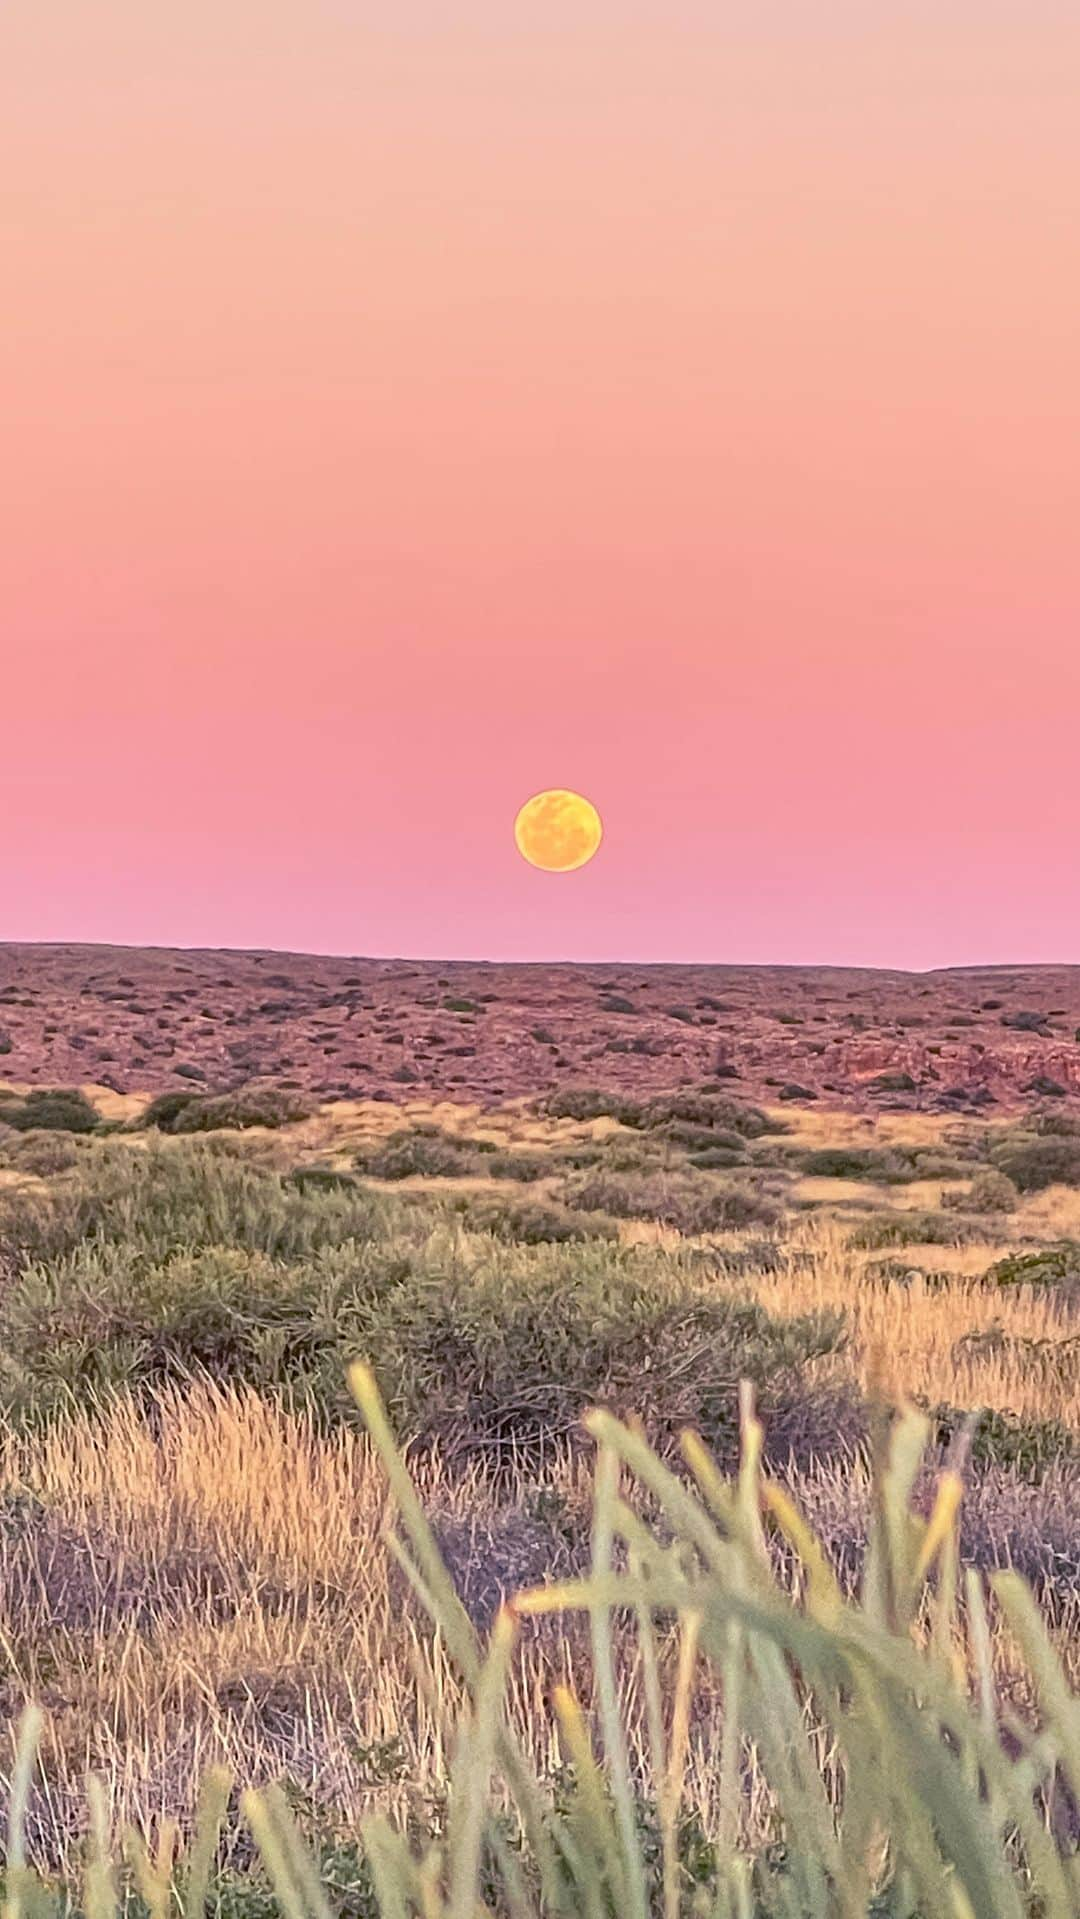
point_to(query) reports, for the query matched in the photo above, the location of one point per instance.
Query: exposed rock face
(154, 1019)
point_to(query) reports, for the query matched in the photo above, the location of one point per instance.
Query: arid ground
(547, 1202)
(143, 1020)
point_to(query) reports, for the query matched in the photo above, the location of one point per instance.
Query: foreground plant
(875, 1721)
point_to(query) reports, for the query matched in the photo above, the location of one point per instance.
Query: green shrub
(858, 1725)
(989, 1192)
(62, 1109)
(320, 1179)
(591, 1102)
(913, 1229)
(1034, 1164)
(681, 1132)
(858, 1162)
(1028, 1446)
(512, 1350)
(691, 1205)
(182, 1196)
(718, 1158)
(1053, 1125)
(252, 1106)
(1044, 1266)
(532, 1222)
(164, 1111)
(522, 1166)
(40, 1154)
(227, 1112)
(711, 1110)
(1026, 1022)
(427, 1152)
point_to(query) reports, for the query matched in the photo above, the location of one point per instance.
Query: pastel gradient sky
(407, 406)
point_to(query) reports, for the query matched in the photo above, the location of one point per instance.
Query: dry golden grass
(205, 1581)
(910, 1336)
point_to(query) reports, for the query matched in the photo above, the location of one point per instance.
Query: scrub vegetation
(818, 1658)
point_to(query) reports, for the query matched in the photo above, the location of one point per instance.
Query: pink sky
(408, 406)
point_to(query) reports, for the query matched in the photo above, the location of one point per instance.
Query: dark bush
(62, 1109)
(235, 1112)
(989, 1192)
(691, 1205)
(912, 1229)
(525, 1167)
(320, 1179)
(858, 1162)
(1034, 1164)
(531, 1222)
(164, 1111)
(509, 1355)
(1053, 1125)
(1043, 1266)
(892, 1083)
(1028, 1446)
(591, 1102)
(712, 1110)
(718, 1158)
(681, 1132)
(424, 1151)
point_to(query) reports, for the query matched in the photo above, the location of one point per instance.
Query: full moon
(558, 831)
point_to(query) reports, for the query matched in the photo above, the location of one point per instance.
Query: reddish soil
(148, 1019)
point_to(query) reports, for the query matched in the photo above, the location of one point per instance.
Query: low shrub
(178, 1197)
(40, 1154)
(236, 1111)
(858, 1162)
(591, 1102)
(1028, 1446)
(691, 1205)
(510, 1352)
(989, 1192)
(522, 1166)
(1035, 1163)
(1043, 1266)
(61, 1109)
(913, 1229)
(532, 1222)
(711, 1110)
(718, 1158)
(427, 1152)
(681, 1132)
(163, 1112)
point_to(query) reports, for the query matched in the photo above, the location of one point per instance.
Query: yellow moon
(558, 831)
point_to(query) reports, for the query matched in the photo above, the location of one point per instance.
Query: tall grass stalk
(903, 1786)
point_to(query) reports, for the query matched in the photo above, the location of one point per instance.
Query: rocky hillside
(138, 1019)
